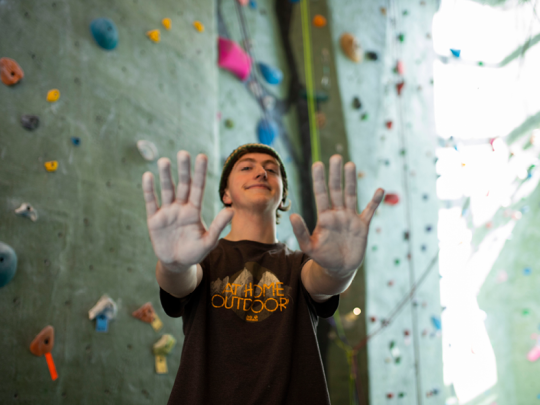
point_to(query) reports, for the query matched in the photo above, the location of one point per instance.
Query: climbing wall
(391, 139)
(90, 237)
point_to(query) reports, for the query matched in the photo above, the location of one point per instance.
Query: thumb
(216, 227)
(301, 232)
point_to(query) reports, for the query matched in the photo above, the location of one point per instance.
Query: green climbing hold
(480, 63)
(402, 152)
(229, 123)
(374, 248)
(397, 262)
(401, 394)
(401, 37)
(525, 312)
(364, 117)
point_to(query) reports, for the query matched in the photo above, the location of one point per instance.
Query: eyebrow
(254, 161)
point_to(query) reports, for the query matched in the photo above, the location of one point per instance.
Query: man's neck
(253, 227)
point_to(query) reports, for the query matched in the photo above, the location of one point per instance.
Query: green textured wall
(91, 235)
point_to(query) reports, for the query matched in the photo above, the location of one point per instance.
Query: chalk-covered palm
(177, 231)
(339, 240)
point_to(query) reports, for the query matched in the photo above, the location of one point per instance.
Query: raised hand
(339, 240)
(178, 233)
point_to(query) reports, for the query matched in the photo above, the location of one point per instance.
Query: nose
(261, 172)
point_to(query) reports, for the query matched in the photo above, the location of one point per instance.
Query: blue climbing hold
(527, 271)
(455, 52)
(267, 130)
(104, 32)
(271, 75)
(252, 4)
(294, 1)
(436, 322)
(8, 263)
(76, 141)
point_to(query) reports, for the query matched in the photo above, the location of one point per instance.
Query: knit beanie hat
(241, 151)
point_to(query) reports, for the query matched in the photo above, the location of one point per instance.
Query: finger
(372, 206)
(350, 187)
(167, 186)
(336, 192)
(184, 176)
(210, 238)
(199, 179)
(319, 187)
(150, 198)
(301, 232)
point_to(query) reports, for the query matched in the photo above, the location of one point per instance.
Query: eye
(247, 167)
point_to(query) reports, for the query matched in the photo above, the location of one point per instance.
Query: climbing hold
(43, 342)
(30, 122)
(401, 37)
(525, 312)
(405, 12)
(271, 75)
(255, 88)
(400, 68)
(390, 283)
(229, 123)
(364, 117)
(166, 23)
(356, 103)
(8, 264)
(399, 87)
(527, 271)
(104, 32)
(243, 2)
(351, 47)
(389, 395)
(252, 4)
(361, 175)
(371, 56)
(401, 394)
(76, 141)
(145, 313)
(428, 228)
(436, 322)
(148, 150)
(391, 199)
(534, 354)
(406, 332)
(154, 35)
(51, 166)
(105, 306)
(455, 52)
(396, 262)
(267, 130)
(53, 95)
(10, 71)
(406, 235)
(198, 26)
(233, 58)
(319, 21)
(389, 124)
(164, 345)
(320, 96)
(269, 103)
(320, 118)
(373, 319)
(26, 210)
(480, 63)
(383, 10)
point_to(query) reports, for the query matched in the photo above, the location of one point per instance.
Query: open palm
(339, 240)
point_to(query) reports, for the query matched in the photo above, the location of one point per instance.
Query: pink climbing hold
(243, 2)
(534, 354)
(391, 199)
(233, 58)
(400, 69)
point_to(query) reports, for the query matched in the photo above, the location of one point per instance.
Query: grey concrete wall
(91, 236)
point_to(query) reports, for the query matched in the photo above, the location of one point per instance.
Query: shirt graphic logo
(253, 293)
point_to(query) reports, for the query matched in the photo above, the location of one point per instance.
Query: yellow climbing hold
(53, 95)
(198, 26)
(166, 23)
(153, 35)
(51, 166)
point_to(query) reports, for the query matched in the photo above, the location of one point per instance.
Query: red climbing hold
(399, 87)
(389, 124)
(389, 395)
(391, 199)
(10, 71)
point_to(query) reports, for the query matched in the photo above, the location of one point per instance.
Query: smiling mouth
(260, 187)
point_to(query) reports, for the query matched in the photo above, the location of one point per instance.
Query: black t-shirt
(250, 330)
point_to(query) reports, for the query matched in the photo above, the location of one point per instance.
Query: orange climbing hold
(154, 35)
(43, 342)
(51, 166)
(10, 71)
(198, 26)
(351, 47)
(319, 21)
(166, 23)
(145, 313)
(53, 95)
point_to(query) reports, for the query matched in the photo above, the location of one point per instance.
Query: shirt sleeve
(173, 306)
(321, 309)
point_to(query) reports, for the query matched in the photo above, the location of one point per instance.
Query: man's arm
(178, 281)
(322, 284)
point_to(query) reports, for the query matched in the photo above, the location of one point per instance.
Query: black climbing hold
(356, 103)
(30, 122)
(372, 56)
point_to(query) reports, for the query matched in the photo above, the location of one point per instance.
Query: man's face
(255, 183)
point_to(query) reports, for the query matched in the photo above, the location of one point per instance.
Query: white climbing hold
(26, 210)
(148, 150)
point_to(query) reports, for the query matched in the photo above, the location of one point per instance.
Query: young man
(249, 304)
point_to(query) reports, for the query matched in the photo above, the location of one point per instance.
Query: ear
(226, 197)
